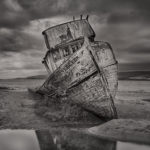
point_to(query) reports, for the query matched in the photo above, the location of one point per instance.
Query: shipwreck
(81, 69)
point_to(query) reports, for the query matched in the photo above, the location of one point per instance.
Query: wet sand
(128, 130)
(17, 110)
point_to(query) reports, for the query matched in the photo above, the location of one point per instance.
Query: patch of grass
(5, 88)
(147, 100)
(58, 109)
(4, 119)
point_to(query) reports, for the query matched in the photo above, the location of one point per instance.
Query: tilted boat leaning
(81, 69)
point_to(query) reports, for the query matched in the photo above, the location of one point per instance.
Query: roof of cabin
(69, 31)
(64, 24)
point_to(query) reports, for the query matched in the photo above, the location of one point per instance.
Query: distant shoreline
(129, 75)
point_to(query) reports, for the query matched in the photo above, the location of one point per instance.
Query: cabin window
(74, 48)
(77, 47)
(66, 51)
(79, 44)
(56, 55)
(46, 41)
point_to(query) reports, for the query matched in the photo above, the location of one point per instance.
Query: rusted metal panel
(67, 32)
(83, 81)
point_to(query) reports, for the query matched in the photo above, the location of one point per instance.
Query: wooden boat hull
(82, 79)
(105, 58)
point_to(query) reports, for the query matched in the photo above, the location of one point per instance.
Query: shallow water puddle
(131, 146)
(60, 140)
(18, 140)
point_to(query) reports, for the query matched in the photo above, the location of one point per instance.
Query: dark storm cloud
(19, 12)
(129, 11)
(119, 10)
(12, 14)
(123, 23)
(139, 49)
(133, 67)
(30, 66)
(17, 41)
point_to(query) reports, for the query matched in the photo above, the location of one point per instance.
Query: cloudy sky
(125, 24)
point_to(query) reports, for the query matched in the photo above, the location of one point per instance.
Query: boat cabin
(55, 57)
(63, 40)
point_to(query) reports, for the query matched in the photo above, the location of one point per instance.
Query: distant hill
(30, 77)
(129, 75)
(37, 77)
(134, 75)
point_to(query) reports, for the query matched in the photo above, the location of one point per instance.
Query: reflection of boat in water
(81, 69)
(57, 139)
(61, 139)
(79, 140)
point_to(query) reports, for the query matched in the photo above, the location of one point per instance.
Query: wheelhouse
(55, 57)
(63, 40)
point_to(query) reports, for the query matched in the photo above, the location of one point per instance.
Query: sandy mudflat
(124, 130)
(17, 110)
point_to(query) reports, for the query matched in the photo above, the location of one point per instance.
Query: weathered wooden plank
(104, 82)
(83, 81)
(103, 53)
(67, 32)
(74, 70)
(72, 46)
(91, 95)
(105, 59)
(111, 74)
